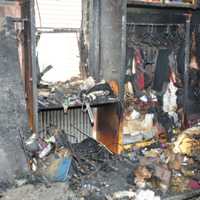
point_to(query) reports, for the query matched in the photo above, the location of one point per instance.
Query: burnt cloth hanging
(162, 70)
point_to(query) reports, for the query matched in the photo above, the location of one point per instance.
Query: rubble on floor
(167, 155)
(90, 171)
(59, 191)
(89, 168)
(171, 168)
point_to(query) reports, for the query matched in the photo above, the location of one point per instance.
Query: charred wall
(107, 39)
(13, 116)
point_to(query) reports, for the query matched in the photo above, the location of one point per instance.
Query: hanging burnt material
(169, 36)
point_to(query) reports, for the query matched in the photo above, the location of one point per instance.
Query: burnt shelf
(95, 103)
(161, 5)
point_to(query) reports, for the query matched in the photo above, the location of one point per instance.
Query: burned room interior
(100, 100)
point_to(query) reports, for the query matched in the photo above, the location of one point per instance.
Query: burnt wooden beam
(187, 60)
(30, 63)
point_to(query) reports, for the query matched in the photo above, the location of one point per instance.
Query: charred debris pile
(156, 171)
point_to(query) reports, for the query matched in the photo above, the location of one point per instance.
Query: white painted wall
(59, 49)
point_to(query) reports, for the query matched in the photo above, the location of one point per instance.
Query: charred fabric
(156, 68)
(155, 90)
